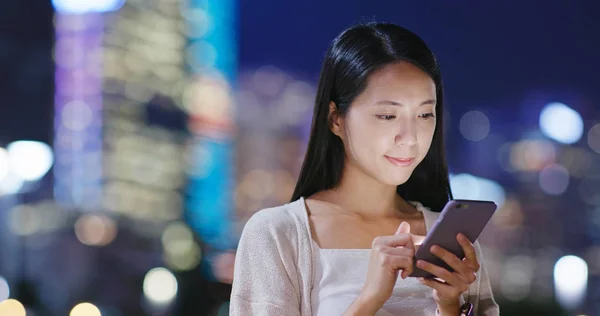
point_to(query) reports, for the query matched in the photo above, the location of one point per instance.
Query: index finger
(469, 249)
(398, 240)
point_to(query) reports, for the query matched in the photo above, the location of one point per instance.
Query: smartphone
(468, 217)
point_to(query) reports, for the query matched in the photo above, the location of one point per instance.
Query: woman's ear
(334, 120)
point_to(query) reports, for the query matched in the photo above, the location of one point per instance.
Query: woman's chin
(396, 179)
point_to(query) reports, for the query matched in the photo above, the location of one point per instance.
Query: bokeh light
(593, 138)
(222, 265)
(201, 55)
(570, 281)
(198, 21)
(80, 7)
(554, 179)
(160, 286)
(181, 252)
(510, 215)
(4, 163)
(76, 115)
(474, 126)
(469, 187)
(4, 289)
(209, 97)
(257, 184)
(578, 161)
(12, 307)
(85, 309)
(531, 155)
(30, 160)
(517, 276)
(11, 184)
(95, 230)
(269, 80)
(561, 123)
(24, 220)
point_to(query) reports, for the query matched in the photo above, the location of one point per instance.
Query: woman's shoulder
(426, 211)
(279, 220)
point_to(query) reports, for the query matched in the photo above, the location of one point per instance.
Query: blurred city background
(137, 137)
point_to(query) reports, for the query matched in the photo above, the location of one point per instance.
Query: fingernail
(434, 248)
(420, 263)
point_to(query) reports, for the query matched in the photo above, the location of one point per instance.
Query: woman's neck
(366, 197)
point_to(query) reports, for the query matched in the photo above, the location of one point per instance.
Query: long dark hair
(352, 57)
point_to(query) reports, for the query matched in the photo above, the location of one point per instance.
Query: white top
(340, 275)
(276, 269)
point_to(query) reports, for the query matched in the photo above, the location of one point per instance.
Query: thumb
(404, 228)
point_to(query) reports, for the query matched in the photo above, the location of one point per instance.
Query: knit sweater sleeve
(483, 301)
(266, 278)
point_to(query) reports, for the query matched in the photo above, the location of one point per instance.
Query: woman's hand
(447, 292)
(389, 255)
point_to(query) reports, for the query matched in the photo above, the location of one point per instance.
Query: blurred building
(145, 128)
(121, 136)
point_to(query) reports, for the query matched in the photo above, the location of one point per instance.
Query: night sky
(496, 57)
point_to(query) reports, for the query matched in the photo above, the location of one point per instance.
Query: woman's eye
(427, 115)
(386, 117)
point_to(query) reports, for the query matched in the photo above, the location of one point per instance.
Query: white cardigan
(273, 272)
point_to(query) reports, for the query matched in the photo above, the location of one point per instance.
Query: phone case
(459, 216)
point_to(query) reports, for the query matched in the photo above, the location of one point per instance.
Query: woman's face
(388, 129)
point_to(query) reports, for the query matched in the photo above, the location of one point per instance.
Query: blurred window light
(269, 80)
(222, 265)
(210, 98)
(518, 274)
(578, 161)
(469, 187)
(24, 220)
(95, 230)
(198, 21)
(561, 123)
(4, 289)
(76, 115)
(554, 179)
(160, 286)
(273, 98)
(594, 138)
(12, 307)
(86, 6)
(201, 55)
(4, 166)
(257, 184)
(181, 251)
(85, 309)
(531, 155)
(11, 184)
(30, 160)
(570, 281)
(510, 215)
(503, 155)
(474, 126)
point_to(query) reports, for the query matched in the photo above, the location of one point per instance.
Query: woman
(373, 181)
